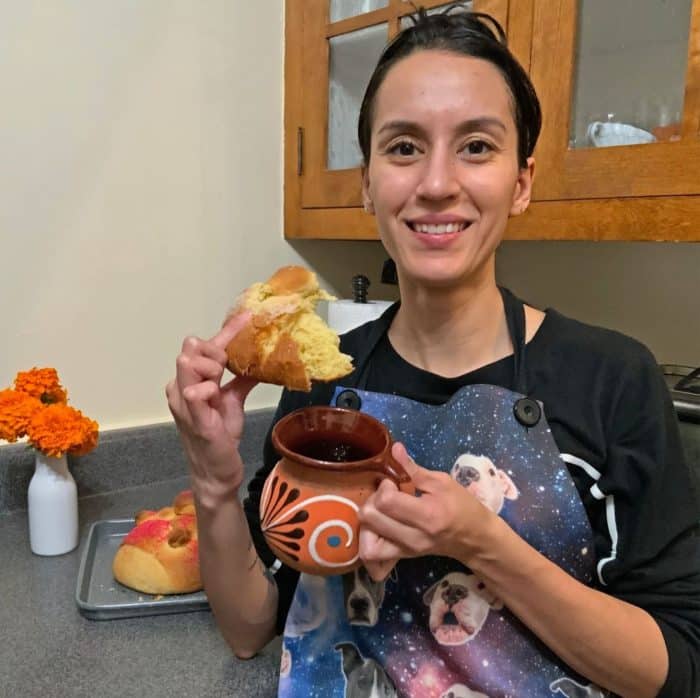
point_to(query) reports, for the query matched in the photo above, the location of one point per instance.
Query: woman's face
(443, 175)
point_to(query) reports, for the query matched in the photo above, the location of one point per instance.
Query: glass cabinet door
(629, 72)
(343, 40)
(342, 9)
(352, 60)
(619, 85)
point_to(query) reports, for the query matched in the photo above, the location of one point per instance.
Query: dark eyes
(406, 149)
(478, 148)
(403, 148)
(492, 472)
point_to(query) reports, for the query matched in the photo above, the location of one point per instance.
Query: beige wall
(648, 290)
(141, 189)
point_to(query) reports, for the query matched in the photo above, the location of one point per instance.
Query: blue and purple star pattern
(483, 647)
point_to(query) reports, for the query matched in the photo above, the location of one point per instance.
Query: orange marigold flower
(59, 429)
(16, 409)
(41, 383)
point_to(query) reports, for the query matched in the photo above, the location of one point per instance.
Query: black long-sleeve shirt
(613, 421)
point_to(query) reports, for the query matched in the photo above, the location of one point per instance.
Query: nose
(453, 595)
(439, 180)
(359, 604)
(467, 474)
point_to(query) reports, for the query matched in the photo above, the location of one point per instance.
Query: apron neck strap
(358, 379)
(515, 319)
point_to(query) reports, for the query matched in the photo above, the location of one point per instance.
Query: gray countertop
(49, 649)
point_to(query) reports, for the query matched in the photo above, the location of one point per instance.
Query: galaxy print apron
(432, 629)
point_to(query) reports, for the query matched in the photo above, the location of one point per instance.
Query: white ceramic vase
(52, 501)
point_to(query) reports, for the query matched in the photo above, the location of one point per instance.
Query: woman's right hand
(210, 416)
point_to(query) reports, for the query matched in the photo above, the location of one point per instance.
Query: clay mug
(332, 460)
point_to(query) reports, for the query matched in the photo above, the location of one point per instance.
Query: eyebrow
(476, 124)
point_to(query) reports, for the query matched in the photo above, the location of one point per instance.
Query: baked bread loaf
(286, 342)
(160, 555)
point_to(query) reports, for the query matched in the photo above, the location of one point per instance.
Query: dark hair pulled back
(474, 34)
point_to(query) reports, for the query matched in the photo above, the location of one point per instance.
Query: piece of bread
(286, 342)
(160, 555)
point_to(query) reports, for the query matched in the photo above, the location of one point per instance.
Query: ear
(483, 591)
(351, 657)
(428, 596)
(523, 188)
(348, 582)
(366, 198)
(510, 491)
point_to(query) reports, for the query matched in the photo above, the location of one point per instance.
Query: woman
(553, 548)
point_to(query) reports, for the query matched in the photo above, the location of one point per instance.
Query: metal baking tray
(100, 596)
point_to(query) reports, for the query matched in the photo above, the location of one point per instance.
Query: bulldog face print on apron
(433, 629)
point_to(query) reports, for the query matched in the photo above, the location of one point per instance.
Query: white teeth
(438, 229)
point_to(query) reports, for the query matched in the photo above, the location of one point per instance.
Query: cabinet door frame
(321, 187)
(657, 169)
(647, 218)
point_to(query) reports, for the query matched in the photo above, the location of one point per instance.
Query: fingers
(240, 386)
(419, 476)
(198, 372)
(379, 556)
(200, 392)
(193, 346)
(201, 360)
(232, 326)
(172, 396)
(196, 368)
(192, 364)
(379, 571)
(197, 362)
(388, 503)
(386, 514)
(398, 450)
(197, 398)
(374, 547)
(197, 379)
(209, 417)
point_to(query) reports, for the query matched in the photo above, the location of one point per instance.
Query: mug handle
(391, 468)
(593, 131)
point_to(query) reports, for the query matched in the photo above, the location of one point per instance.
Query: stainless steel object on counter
(684, 385)
(98, 594)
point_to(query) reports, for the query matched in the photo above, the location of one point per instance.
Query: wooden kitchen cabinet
(594, 64)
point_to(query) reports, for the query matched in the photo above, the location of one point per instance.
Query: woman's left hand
(444, 520)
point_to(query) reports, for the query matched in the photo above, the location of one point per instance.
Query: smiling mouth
(438, 229)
